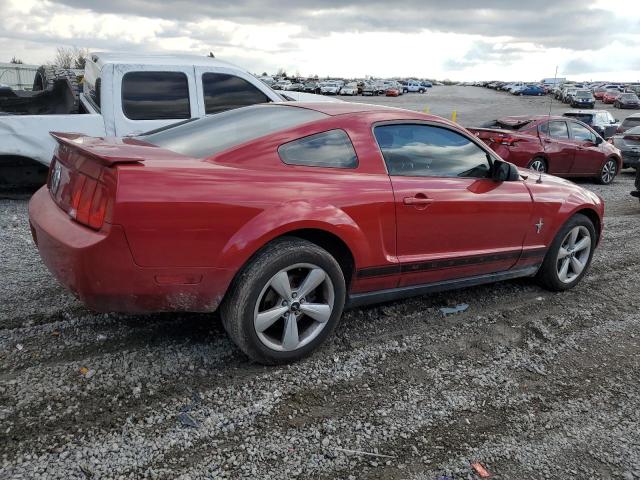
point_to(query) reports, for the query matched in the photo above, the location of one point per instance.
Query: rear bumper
(99, 269)
(631, 159)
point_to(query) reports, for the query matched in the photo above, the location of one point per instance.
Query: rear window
(155, 96)
(210, 135)
(331, 149)
(583, 117)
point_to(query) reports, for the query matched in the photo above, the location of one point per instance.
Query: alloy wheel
(294, 307)
(608, 171)
(573, 254)
(538, 165)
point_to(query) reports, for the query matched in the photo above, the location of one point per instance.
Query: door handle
(419, 199)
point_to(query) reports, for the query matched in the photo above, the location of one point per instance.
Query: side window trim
(490, 155)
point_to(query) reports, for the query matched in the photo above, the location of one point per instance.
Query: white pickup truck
(120, 95)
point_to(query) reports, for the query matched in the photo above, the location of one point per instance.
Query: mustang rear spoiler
(107, 151)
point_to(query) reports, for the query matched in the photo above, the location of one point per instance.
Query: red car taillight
(509, 141)
(88, 202)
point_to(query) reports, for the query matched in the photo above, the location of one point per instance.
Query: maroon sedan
(558, 145)
(282, 215)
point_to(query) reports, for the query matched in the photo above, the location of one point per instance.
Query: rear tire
(268, 311)
(538, 164)
(569, 256)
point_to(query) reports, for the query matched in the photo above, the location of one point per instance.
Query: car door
(452, 220)
(589, 156)
(557, 146)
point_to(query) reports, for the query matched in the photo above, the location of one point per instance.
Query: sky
(452, 39)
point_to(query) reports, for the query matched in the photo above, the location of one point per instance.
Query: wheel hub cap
(293, 307)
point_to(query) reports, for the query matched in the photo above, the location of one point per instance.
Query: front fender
(288, 217)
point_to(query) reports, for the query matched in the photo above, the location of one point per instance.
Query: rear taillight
(509, 141)
(88, 202)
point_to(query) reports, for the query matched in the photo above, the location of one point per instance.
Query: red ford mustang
(558, 145)
(282, 215)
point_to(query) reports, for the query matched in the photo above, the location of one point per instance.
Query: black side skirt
(380, 296)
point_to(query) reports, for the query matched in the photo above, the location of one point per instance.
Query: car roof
(633, 115)
(121, 58)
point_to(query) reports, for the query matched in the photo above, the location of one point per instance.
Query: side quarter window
(430, 151)
(332, 149)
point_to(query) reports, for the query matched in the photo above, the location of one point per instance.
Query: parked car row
(392, 88)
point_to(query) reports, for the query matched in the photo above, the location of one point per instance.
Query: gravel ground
(531, 384)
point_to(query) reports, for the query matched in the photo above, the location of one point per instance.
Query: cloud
(458, 38)
(574, 24)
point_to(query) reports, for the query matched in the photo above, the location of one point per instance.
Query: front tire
(608, 172)
(285, 302)
(569, 257)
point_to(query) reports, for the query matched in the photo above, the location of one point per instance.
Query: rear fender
(288, 217)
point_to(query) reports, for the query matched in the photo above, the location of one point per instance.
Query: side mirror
(598, 140)
(502, 171)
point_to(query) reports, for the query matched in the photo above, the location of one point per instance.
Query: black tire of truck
(47, 75)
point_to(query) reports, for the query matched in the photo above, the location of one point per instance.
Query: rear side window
(207, 136)
(428, 151)
(224, 92)
(555, 130)
(331, 149)
(155, 96)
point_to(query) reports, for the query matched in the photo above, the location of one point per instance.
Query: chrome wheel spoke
(564, 269)
(290, 337)
(582, 244)
(267, 318)
(311, 282)
(576, 266)
(320, 312)
(280, 283)
(573, 237)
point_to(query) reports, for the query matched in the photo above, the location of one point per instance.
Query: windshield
(206, 136)
(583, 94)
(629, 96)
